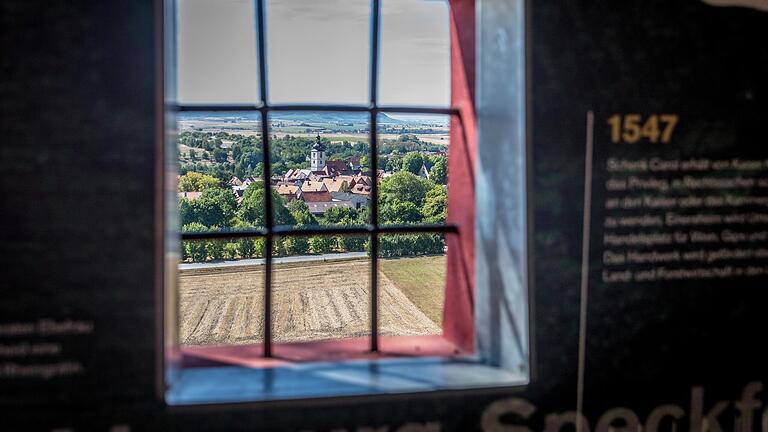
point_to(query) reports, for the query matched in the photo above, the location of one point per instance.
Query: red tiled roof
(316, 196)
(361, 189)
(313, 186)
(336, 166)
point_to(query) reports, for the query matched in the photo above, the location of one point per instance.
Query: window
(262, 107)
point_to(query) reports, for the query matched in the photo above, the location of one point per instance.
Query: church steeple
(318, 145)
(317, 155)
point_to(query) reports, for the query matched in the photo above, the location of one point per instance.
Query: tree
(252, 207)
(249, 159)
(296, 245)
(194, 249)
(439, 171)
(300, 212)
(219, 155)
(237, 151)
(248, 247)
(411, 244)
(405, 186)
(400, 212)
(192, 155)
(196, 182)
(215, 208)
(435, 209)
(412, 162)
(321, 244)
(336, 215)
(215, 249)
(394, 163)
(230, 251)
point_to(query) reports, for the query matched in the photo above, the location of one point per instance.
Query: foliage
(215, 249)
(351, 243)
(248, 247)
(394, 163)
(411, 244)
(231, 251)
(219, 155)
(216, 207)
(399, 212)
(412, 162)
(295, 245)
(405, 186)
(300, 213)
(252, 207)
(435, 209)
(196, 182)
(321, 244)
(194, 249)
(338, 215)
(439, 171)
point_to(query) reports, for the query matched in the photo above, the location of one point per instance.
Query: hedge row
(389, 246)
(212, 250)
(410, 245)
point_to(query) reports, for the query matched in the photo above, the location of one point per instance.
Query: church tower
(317, 156)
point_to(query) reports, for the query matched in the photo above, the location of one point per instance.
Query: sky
(317, 51)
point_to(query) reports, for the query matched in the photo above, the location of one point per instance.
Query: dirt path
(310, 302)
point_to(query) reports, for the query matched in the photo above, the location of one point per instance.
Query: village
(326, 184)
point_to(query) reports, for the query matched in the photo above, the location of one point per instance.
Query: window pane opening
(318, 52)
(413, 168)
(321, 297)
(216, 46)
(415, 53)
(320, 168)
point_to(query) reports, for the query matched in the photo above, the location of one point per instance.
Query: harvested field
(310, 301)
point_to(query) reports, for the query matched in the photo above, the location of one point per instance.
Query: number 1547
(631, 128)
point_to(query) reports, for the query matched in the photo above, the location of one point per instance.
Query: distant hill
(304, 117)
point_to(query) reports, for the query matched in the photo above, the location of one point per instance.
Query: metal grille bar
(268, 211)
(374, 169)
(322, 108)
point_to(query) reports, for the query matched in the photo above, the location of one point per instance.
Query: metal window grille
(270, 231)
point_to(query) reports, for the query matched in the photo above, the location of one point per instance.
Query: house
(319, 208)
(336, 167)
(296, 174)
(234, 181)
(239, 191)
(360, 179)
(249, 180)
(288, 191)
(315, 196)
(424, 170)
(354, 163)
(336, 184)
(357, 200)
(361, 189)
(379, 174)
(347, 178)
(313, 186)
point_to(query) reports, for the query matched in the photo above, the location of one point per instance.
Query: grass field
(422, 280)
(311, 301)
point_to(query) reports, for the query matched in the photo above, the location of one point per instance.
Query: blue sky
(318, 51)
